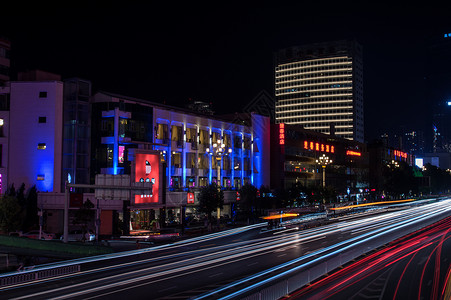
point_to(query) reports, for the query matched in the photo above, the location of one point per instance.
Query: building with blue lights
(35, 132)
(123, 125)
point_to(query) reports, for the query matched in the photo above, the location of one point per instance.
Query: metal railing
(28, 275)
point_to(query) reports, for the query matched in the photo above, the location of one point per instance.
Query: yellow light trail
(369, 204)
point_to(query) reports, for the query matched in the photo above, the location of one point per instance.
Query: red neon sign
(190, 199)
(353, 153)
(147, 169)
(400, 154)
(318, 147)
(282, 134)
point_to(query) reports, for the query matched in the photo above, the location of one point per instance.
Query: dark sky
(222, 52)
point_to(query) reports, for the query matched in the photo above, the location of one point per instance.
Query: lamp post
(323, 161)
(218, 151)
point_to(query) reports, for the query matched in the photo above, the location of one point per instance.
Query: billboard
(147, 169)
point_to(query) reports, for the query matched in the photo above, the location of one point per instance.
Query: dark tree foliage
(440, 180)
(84, 214)
(30, 209)
(399, 180)
(210, 198)
(248, 200)
(11, 214)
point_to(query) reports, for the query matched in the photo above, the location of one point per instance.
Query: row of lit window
(315, 87)
(313, 73)
(305, 97)
(319, 118)
(315, 62)
(280, 79)
(331, 114)
(313, 106)
(335, 79)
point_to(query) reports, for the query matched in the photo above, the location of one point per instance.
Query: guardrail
(29, 275)
(277, 289)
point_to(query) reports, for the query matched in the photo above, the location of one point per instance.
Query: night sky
(222, 52)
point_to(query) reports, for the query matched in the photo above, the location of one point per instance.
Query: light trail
(192, 261)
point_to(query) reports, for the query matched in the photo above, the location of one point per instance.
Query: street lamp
(323, 161)
(218, 151)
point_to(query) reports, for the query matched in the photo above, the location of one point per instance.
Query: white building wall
(26, 161)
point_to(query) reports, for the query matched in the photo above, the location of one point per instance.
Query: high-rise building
(320, 86)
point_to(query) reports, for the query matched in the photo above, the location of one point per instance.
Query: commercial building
(62, 134)
(35, 132)
(297, 154)
(320, 87)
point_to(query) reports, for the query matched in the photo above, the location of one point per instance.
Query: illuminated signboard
(309, 145)
(282, 134)
(121, 154)
(147, 169)
(190, 199)
(400, 154)
(353, 153)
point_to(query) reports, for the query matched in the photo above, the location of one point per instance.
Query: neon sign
(309, 145)
(190, 199)
(282, 134)
(353, 153)
(400, 154)
(147, 169)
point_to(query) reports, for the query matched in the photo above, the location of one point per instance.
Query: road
(416, 267)
(229, 264)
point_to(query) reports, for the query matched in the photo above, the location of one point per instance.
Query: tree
(84, 214)
(30, 209)
(210, 198)
(248, 200)
(10, 214)
(399, 179)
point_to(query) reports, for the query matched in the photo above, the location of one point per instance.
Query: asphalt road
(415, 267)
(215, 265)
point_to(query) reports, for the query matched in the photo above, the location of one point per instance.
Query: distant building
(200, 107)
(437, 78)
(320, 86)
(294, 155)
(5, 63)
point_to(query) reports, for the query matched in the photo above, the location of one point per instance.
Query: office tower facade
(320, 86)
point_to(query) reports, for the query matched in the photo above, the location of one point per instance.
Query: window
(41, 146)
(42, 119)
(42, 94)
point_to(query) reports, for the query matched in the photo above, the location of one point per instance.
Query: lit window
(40, 177)
(41, 146)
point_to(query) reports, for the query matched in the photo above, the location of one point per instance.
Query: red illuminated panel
(282, 134)
(147, 169)
(400, 154)
(353, 153)
(190, 199)
(308, 145)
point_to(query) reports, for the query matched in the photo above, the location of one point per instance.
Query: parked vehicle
(16, 233)
(34, 234)
(79, 235)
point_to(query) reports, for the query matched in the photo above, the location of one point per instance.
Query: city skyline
(169, 55)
